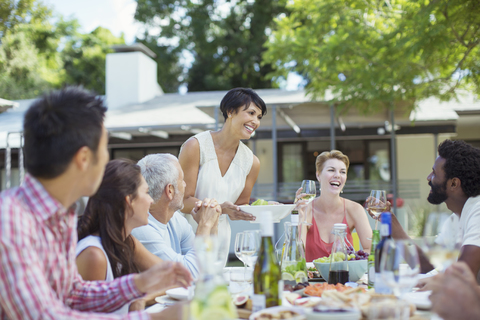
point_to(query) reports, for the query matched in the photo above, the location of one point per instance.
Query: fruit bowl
(356, 269)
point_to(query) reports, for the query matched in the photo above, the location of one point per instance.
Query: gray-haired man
(168, 234)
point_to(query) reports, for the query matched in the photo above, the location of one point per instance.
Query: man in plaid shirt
(66, 153)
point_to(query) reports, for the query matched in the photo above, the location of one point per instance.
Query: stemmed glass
(377, 203)
(443, 250)
(308, 192)
(250, 246)
(399, 265)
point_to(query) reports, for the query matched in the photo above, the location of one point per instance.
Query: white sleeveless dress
(95, 241)
(211, 184)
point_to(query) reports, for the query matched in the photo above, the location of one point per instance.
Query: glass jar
(339, 258)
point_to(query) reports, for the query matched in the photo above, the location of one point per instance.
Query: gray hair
(159, 170)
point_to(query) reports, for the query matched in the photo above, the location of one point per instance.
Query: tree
(373, 54)
(84, 58)
(225, 39)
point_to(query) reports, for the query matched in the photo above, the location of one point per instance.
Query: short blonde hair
(327, 155)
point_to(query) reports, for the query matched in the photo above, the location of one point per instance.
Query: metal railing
(8, 160)
(357, 190)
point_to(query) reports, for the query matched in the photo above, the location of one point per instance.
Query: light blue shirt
(172, 241)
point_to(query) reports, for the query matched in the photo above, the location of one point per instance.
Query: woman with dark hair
(105, 249)
(217, 165)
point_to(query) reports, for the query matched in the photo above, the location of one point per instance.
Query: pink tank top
(317, 248)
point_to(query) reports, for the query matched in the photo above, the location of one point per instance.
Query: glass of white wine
(308, 192)
(238, 246)
(249, 251)
(377, 203)
(441, 250)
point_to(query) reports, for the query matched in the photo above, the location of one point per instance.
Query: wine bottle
(267, 283)
(371, 259)
(386, 233)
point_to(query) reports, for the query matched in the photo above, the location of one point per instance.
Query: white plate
(178, 293)
(419, 299)
(347, 315)
(274, 310)
(279, 211)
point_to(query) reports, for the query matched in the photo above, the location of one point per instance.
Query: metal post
(254, 150)
(21, 167)
(216, 117)
(275, 152)
(435, 147)
(332, 126)
(394, 157)
(8, 163)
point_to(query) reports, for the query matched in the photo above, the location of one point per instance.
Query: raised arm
(360, 223)
(189, 159)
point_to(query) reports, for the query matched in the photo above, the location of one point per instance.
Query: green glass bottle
(371, 259)
(267, 283)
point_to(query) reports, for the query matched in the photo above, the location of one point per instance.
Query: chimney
(131, 76)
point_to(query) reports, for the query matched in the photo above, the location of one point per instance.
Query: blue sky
(115, 15)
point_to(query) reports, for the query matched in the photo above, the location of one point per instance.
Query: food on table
(298, 286)
(291, 297)
(385, 307)
(240, 300)
(340, 256)
(294, 271)
(260, 202)
(216, 306)
(284, 314)
(317, 289)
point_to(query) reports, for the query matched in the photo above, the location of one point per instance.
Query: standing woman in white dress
(218, 165)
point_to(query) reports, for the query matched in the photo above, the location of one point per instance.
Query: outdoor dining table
(165, 301)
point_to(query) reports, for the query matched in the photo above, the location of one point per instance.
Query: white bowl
(279, 211)
(356, 269)
(274, 310)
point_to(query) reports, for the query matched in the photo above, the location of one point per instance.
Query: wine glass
(399, 265)
(377, 203)
(238, 246)
(249, 251)
(442, 250)
(308, 192)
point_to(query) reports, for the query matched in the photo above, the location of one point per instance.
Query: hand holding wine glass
(376, 204)
(304, 195)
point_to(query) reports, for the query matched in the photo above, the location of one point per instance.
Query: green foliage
(31, 57)
(391, 51)
(225, 38)
(84, 58)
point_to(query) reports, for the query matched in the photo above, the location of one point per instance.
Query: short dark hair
(57, 125)
(237, 97)
(462, 161)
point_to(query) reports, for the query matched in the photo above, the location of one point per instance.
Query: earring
(341, 191)
(229, 115)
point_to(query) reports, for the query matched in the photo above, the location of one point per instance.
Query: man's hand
(234, 212)
(455, 293)
(163, 276)
(206, 214)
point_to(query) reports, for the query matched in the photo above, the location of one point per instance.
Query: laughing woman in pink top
(329, 208)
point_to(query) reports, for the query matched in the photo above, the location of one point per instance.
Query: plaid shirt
(38, 273)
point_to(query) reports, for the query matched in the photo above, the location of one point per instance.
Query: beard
(438, 194)
(177, 202)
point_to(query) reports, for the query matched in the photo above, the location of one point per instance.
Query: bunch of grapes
(356, 255)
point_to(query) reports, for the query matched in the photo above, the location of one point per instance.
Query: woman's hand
(301, 207)
(234, 212)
